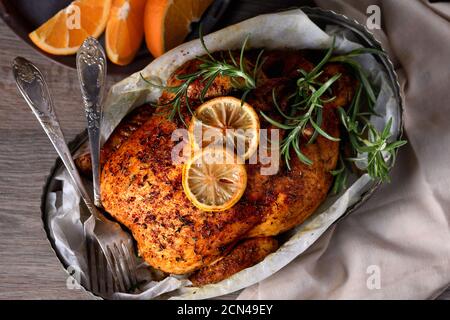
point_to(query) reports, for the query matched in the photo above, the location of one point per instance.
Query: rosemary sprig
(298, 124)
(373, 146)
(241, 77)
(340, 176)
(364, 138)
(212, 68)
(359, 71)
(306, 110)
(176, 102)
(368, 140)
(307, 82)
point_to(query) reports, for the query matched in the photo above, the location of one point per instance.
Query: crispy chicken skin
(344, 87)
(141, 186)
(292, 196)
(127, 126)
(246, 254)
(221, 86)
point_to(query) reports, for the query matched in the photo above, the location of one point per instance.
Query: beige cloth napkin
(397, 245)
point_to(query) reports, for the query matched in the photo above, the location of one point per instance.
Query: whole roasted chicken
(142, 189)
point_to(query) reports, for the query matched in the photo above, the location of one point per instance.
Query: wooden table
(28, 267)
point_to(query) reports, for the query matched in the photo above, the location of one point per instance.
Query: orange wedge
(65, 31)
(167, 22)
(125, 30)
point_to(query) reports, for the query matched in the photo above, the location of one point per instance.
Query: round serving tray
(321, 18)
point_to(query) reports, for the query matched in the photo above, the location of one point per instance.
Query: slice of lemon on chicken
(213, 179)
(226, 122)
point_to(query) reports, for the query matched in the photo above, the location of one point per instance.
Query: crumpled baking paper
(290, 29)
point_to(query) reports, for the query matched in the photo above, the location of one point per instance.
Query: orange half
(167, 22)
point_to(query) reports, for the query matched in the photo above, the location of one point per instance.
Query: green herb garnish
(359, 71)
(176, 103)
(305, 111)
(297, 124)
(364, 138)
(340, 176)
(241, 77)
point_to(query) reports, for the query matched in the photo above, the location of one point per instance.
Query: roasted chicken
(141, 186)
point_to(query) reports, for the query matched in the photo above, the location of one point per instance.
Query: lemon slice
(213, 180)
(226, 122)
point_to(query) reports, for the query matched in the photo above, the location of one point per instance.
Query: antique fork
(91, 69)
(110, 239)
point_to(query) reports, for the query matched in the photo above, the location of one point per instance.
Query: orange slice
(167, 22)
(213, 179)
(125, 30)
(64, 33)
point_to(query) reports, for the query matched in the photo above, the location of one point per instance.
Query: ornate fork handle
(34, 89)
(91, 67)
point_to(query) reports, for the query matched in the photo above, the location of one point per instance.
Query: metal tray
(321, 18)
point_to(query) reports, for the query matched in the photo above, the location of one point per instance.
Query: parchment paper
(290, 29)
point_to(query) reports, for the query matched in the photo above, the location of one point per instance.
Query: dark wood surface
(28, 267)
